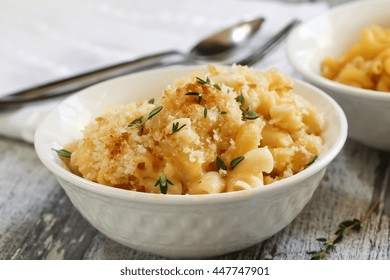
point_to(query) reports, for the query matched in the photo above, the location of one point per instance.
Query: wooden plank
(39, 222)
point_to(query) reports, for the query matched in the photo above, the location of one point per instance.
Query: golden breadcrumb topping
(218, 130)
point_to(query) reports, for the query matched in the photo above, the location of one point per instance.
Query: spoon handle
(78, 82)
(269, 45)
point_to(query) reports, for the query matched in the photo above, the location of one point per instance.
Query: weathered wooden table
(37, 220)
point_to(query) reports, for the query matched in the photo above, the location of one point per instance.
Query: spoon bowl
(227, 39)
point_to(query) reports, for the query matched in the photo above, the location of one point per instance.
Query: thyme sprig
(176, 128)
(233, 163)
(199, 95)
(207, 82)
(63, 153)
(194, 93)
(203, 82)
(247, 114)
(328, 245)
(163, 183)
(140, 121)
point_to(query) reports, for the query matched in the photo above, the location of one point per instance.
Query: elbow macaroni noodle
(280, 136)
(366, 64)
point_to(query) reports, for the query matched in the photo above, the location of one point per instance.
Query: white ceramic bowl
(172, 225)
(331, 34)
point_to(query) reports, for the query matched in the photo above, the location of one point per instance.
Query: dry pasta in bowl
(366, 64)
(218, 130)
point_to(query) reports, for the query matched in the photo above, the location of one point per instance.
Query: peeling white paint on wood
(47, 226)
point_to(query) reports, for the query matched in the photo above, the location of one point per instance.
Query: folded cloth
(61, 38)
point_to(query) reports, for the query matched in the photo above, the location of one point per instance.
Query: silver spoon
(209, 48)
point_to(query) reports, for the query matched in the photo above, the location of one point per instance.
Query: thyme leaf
(163, 182)
(221, 112)
(312, 161)
(176, 128)
(249, 115)
(63, 153)
(205, 112)
(217, 87)
(203, 82)
(154, 112)
(241, 99)
(236, 161)
(151, 101)
(194, 93)
(220, 164)
(199, 99)
(137, 120)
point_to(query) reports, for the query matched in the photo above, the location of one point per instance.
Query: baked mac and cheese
(219, 130)
(366, 64)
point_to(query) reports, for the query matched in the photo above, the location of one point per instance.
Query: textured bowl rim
(150, 198)
(317, 78)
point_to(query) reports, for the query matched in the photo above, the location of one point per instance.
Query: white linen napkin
(60, 38)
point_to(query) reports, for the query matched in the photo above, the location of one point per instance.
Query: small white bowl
(331, 34)
(189, 226)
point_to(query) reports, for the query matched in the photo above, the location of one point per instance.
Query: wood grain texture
(37, 220)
